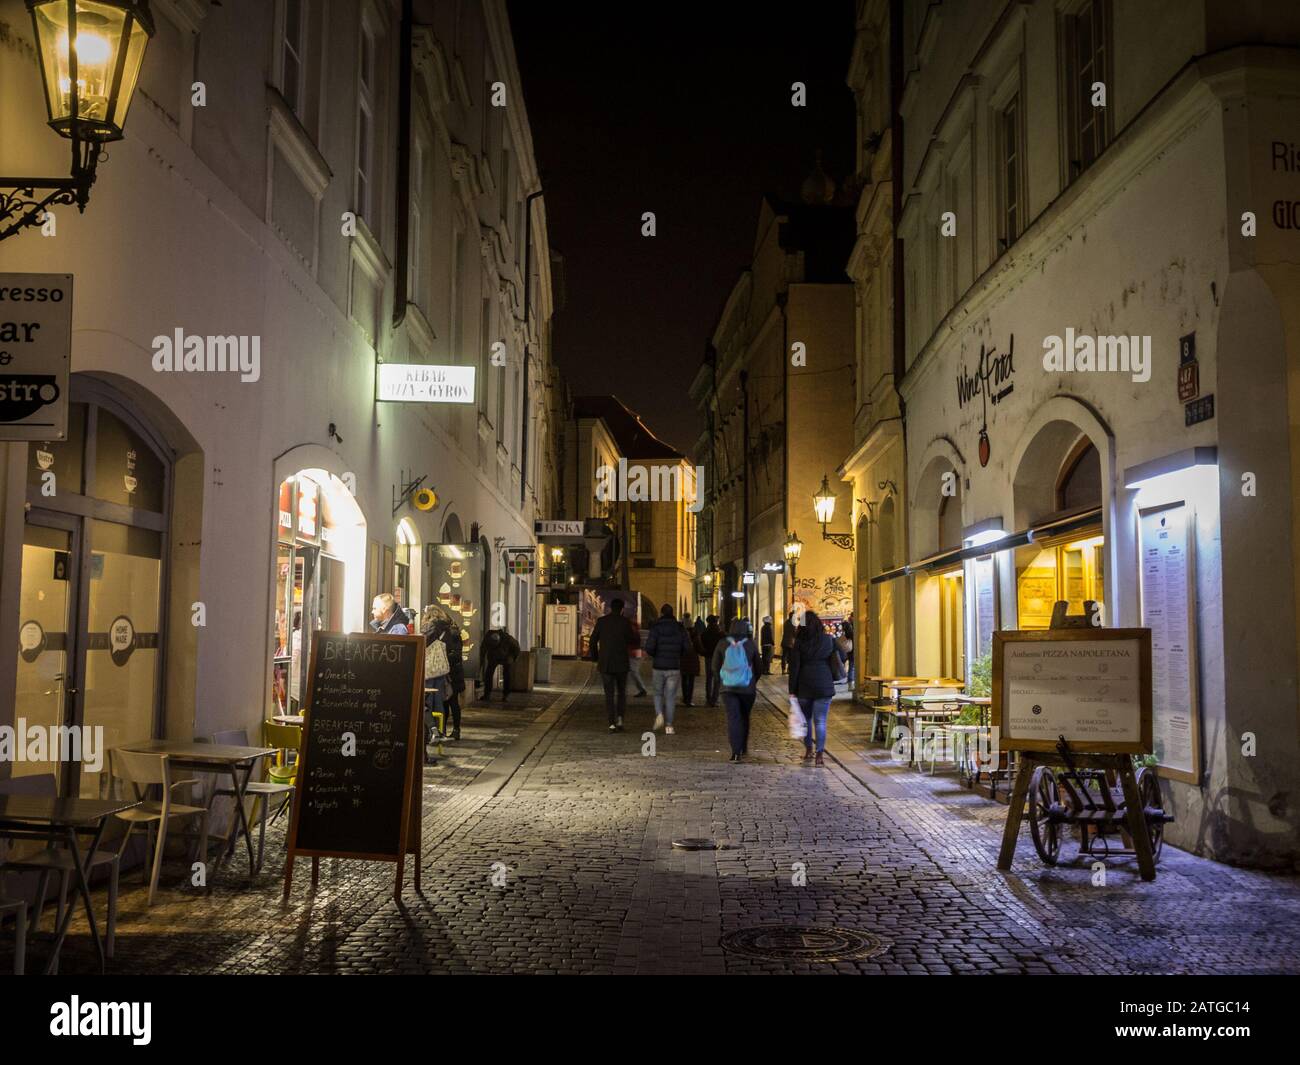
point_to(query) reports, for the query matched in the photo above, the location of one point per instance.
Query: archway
(408, 569)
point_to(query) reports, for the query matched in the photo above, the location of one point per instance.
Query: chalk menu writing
(1165, 575)
(356, 744)
(1088, 691)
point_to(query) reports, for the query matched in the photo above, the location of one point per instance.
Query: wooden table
(41, 817)
(214, 758)
(289, 719)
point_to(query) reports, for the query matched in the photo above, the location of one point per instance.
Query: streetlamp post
(90, 53)
(792, 549)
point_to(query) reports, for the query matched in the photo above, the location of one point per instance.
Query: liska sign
(404, 382)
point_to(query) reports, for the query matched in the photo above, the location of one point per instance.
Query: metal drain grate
(778, 942)
(701, 843)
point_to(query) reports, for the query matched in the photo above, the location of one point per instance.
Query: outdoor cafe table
(912, 705)
(289, 719)
(41, 817)
(214, 758)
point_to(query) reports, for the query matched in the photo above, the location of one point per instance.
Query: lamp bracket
(408, 489)
(844, 540)
(20, 207)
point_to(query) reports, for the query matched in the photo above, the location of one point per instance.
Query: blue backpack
(735, 671)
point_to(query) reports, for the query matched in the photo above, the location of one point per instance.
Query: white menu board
(1166, 583)
(1089, 688)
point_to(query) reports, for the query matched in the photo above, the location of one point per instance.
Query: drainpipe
(744, 479)
(525, 402)
(403, 164)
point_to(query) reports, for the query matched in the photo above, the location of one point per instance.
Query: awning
(889, 575)
(1056, 525)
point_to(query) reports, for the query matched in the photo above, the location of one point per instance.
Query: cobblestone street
(579, 825)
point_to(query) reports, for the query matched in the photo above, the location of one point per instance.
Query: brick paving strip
(548, 848)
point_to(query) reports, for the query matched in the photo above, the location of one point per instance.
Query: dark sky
(684, 111)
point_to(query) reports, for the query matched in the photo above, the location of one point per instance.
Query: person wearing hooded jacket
(812, 680)
(709, 641)
(667, 644)
(738, 698)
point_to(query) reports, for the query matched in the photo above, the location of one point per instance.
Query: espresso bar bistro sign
(35, 348)
(402, 382)
(1091, 686)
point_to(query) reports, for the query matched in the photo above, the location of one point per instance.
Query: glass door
(47, 598)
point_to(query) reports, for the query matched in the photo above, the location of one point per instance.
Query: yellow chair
(284, 738)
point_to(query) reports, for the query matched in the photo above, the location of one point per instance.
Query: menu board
(457, 587)
(985, 620)
(1090, 685)
(357, 777)
(1166, 583)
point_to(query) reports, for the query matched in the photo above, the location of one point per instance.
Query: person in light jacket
(667, 644)
(738, 692)
(812, 680)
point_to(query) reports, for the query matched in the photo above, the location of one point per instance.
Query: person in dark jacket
(499, 649)
(699, 625)
(787, 640)
(766, 645)
(812, 680)
(690, 662)
(442, 628)
(666, 644)
(846, 631)
(737, 692)
(708, 643)
(386, 617)
(610, 640)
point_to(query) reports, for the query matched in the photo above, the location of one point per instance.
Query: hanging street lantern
(824, 505)
(90, 53)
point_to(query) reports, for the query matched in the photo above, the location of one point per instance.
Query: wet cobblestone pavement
(548, 849)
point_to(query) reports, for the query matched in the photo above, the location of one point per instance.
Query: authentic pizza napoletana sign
(1092, 686)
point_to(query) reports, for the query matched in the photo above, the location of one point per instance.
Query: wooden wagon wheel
(1044, 796)
(1149, 792)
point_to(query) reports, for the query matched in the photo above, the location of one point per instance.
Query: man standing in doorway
(386, 617)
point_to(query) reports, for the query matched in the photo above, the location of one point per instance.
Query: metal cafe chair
(139, 770)
(260, 791)
(57, 859)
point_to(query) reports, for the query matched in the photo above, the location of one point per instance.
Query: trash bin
(542, 672)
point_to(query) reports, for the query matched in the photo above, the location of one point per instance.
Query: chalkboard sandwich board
(1091, 685)
(359, 768)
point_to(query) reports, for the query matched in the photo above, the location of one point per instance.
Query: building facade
(776, 392)
(226, 517)
(1101, 331)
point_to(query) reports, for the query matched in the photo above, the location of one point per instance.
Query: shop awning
(889, 575)
(1056, 525)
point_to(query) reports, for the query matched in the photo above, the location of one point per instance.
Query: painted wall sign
(35, 348)
(1168, 576)
(401, 382)
(1090, 685)
(992, 381)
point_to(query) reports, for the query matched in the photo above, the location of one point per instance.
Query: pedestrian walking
(846, 635)
(690, 662)
(766, 644)
(437, 670)
(499, 649)
(708, 644)
(666, 644)
(787, 640)
(441, 628)
(610, 641)
(814, 668)
(386, 617)
(636, 657)
(699, 625)
(735, 660)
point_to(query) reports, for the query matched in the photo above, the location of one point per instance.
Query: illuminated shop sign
(401, 382)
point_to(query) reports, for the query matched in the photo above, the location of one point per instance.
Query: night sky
(684, 111)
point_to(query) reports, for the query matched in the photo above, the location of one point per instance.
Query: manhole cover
(779, 942)
(699, 843)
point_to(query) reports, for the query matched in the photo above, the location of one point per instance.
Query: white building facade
(1093, 176)
(228, 516)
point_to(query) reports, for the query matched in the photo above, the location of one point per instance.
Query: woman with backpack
(735, 661)
(437, 625)
(814, 668)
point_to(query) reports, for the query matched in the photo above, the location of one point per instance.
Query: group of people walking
(733, 662)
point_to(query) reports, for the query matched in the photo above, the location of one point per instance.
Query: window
(292, 56)
(501, 404)
(484, 354)
(638, 528)
(1086, 44)
(366, 129)
(1010, 162)
(456, 300)
(504, 191)
(952, 649)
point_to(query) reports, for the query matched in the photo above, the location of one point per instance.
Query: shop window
(1073, 570)
(60, 458)
(952, 619)
(126, 469)
(1086, 40)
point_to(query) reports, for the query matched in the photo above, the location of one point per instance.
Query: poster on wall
(456, 582)
(1091, 686)
(1168, 573)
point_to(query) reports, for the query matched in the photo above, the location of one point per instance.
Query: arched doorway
(320, 566)
(91, 602)
(408, 570)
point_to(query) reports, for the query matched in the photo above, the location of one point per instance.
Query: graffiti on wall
(827, 596)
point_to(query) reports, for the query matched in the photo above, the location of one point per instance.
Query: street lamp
(824, 505)
(90, 53)
(792, 549)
